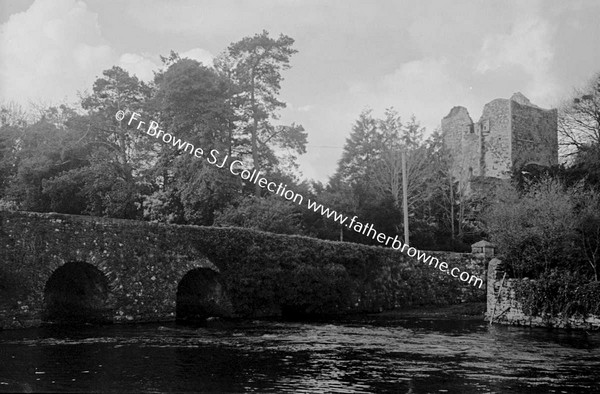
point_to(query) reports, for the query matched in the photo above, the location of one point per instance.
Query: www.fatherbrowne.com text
(236, 167)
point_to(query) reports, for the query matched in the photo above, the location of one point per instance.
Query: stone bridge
(62, 268)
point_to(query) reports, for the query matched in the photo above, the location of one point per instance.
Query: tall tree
(442, 202)
(117, 90)
(371, 167)
(82, 164)
(109, 181)
(255, 64)
(194, 104)
(13, 122)
(579, 120)
(37, 153)
(361, 149)
(387, 173)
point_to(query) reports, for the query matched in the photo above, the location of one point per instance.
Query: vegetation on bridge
(262, 274)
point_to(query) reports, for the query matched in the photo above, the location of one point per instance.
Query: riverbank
(503, 307)
(467, 310)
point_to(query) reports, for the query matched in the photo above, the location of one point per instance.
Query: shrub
(7, 205)
(559, 292)
(270, 213)
(536, 231)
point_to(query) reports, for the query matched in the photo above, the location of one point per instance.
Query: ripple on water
(359, 356)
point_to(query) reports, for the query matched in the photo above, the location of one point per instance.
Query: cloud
(305, 108)
(56, 48)
(50, 51)
(138, 65)
(199, 54)
(529, 47)
(219, 18)
(424, 87)
(143, 66)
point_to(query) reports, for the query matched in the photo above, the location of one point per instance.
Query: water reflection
(366, 354)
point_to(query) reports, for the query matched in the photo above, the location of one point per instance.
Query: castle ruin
(511, 133)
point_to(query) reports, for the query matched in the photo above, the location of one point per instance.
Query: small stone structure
(483, 248)
(511, 133)
(503, 308)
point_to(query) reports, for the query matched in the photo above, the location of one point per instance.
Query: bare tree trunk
(452, 210)
(461, 216)
(254, 136)
(405, 197)
(230, 140)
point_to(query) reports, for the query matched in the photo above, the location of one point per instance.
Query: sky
(421, 57)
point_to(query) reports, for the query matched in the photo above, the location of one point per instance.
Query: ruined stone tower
(511, 133)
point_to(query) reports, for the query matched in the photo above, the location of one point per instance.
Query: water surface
(363, 354)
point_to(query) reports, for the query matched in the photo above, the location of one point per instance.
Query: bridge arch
(77, 292)
(200, 295)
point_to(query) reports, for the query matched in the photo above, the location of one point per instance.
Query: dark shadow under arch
(200, 295)
(77, 292)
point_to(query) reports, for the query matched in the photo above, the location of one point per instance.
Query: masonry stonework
(511, 133)
(503, 307)
(144, 266)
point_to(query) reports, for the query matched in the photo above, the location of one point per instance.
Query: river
(379, 353)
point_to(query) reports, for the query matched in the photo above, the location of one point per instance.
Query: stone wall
(464, 143)
(496, 160)
(503, 307)
(259, 274)
(457, 129)
(535, 139)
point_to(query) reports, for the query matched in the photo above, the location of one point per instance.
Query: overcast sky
(421, 57)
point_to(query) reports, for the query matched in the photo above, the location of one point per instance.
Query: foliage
(550, 233)
(588, 228)
(536, 230)
(579, 132)
(306, 275)
(38, 152)
(80, 161)
(370, 175)
(579, 120)
(13, 120)
(125, 148)
(79, 164)
(559, 293)
(193, 103)
(254, 65)
(549, 227)
(586, 165)
(342, 198)
(271, 213)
